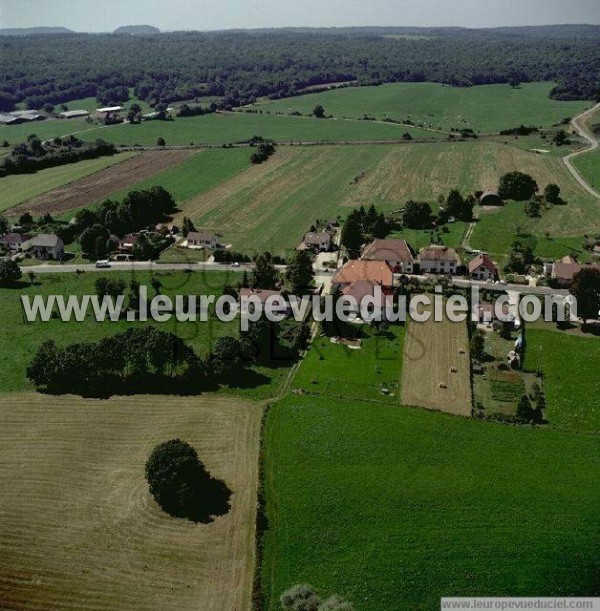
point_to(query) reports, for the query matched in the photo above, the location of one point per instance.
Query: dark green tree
(10, 272)
(417, 215)
(552, 194)
(517, 186)
(265, 274)
(586, 289)
(352, 237)
(300, 270)
(319, 112)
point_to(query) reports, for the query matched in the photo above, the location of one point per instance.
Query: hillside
(137, 30)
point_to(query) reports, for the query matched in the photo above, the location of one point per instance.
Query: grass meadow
(79, 527)
(394, 507)
(570, 367)
(20, 339)
(588, 166)
(485, 108)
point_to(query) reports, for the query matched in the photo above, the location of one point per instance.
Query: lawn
(20, 340)
(19, 188)
(334, 370)
(485, 108)
(79, 527)
(570, 367)
(222, 128)
(436, 373)
(394, 507)
(271, 205)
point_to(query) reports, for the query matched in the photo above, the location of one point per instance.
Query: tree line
(240, 67)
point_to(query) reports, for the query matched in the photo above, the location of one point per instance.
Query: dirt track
(102, 184)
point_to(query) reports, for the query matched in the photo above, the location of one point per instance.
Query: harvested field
(436, 372)
(100, 185)
(79, 527)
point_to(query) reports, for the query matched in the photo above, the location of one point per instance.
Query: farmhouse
(490, 198)
(13, 242)
(202, 240)
(362, 289)
(45, 246)
(482, 268)
(438, 260)
(374, 272)
(564, 271)
(128, 243)
(320, 242)
(262, 295)
(396, 253)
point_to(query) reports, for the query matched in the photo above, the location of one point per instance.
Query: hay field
(431, 350)
(79, 528)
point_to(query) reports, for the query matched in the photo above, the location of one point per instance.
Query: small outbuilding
(490, 198)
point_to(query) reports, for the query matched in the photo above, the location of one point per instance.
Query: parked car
(103, 263)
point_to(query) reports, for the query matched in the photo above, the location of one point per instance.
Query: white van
(103, 263)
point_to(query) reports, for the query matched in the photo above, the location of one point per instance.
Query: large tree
(10, 272)
(586, 289)
(352, 237)
(417, 215)
(300, 270)
(265, 274)
(517, 186)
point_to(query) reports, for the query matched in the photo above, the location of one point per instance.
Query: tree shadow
(214, 502)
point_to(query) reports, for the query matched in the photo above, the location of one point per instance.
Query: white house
(13, 242)
(202, 240)
(46, 246)
(438, 260)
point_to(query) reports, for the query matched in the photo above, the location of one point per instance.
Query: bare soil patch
(100, 185)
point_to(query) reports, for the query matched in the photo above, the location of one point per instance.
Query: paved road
(579, 125)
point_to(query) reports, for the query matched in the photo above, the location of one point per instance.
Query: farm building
(374, 272)
(482, 268)
(74, 114)
(438, 260)
(6, 119)
(396, 253)
(109, 110)
(490, 198)
(316, 241)
(13, 242)
(45, 246)
(202, 240)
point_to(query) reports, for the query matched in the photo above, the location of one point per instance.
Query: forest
(240, 66)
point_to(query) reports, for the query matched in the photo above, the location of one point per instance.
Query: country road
(582, 130)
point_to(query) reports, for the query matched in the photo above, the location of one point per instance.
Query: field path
(102, 184)
(582, 130)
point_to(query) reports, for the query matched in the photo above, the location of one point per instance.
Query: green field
(272, 205)
(18, 188)
(485, 108)
(224, 128)
(588, 166)
(334, 370)
(20, 339)
(570, 368)
(394, 507)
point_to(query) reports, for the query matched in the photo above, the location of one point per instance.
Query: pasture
(372, 372)
(20, 339)
(393, 507)
(570, 367)
(436, 372)
(98, 186)
(271, 205)
(18, 188)
(484, 108)
(588, 165)
(79, 527)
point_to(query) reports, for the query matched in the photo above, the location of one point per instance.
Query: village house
(564, 271)
(438, 260)
(262, 295)
(362, 289)
(374, 272)
(202, 240)
(45, 246)
(13, 242)
(396, 253)
(128, 243)
(482, 268)
(319, 241)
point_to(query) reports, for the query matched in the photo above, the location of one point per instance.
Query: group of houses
(44, 246)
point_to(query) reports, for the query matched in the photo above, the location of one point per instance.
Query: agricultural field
(18, 188)
(436, 372)
(569, 364)
(588, 165)
(223, 128)
(393, 507)
(371, 372)
(79, 527)
(272, 204)
(484, 108)
(98, 186)
(20, 339)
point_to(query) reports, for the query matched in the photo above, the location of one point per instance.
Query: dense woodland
(244, 65)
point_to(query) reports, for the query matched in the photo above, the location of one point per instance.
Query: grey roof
(6, 119)
(10, 238)
(45, 240)
(201, 237)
